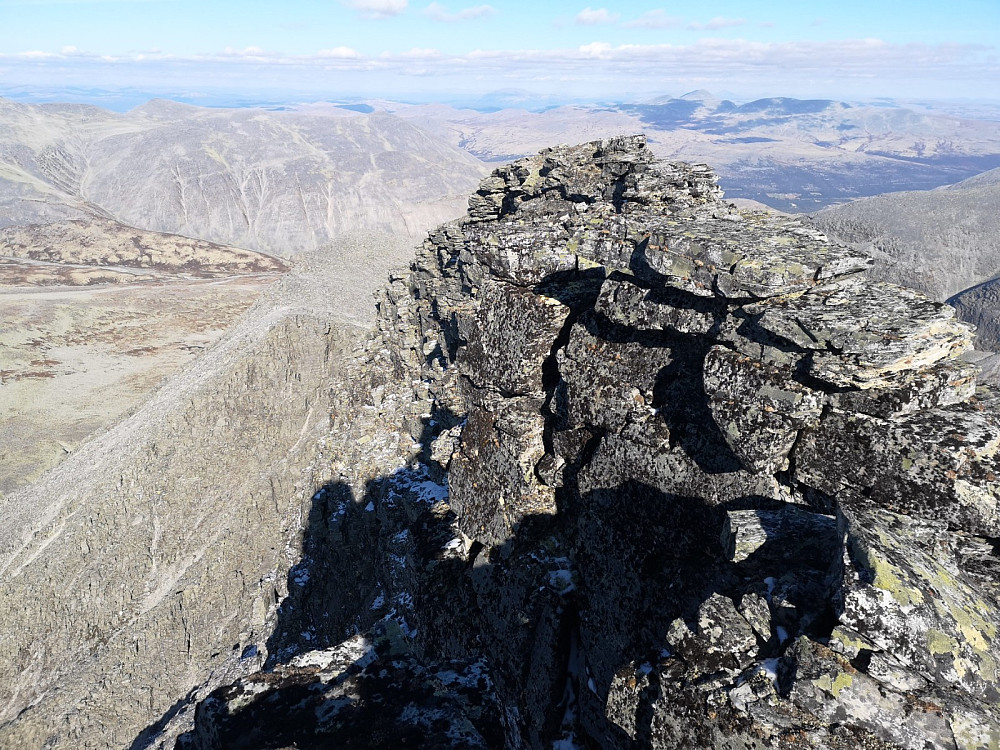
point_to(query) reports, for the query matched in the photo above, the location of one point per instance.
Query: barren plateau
(74, 359)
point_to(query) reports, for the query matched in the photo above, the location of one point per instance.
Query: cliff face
(627, 468)
(152, 560)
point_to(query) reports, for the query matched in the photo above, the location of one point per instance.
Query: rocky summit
(682, 477)
(625, 467)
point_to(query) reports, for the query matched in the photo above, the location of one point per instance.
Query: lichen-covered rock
(936, 464)
(514, 334)
(944, 383)
(617, 386)
(623, 302)
(740, 259)
(828, 687)
(706, 485)
(758, 408)
(914, 604)
(722, 640)
(862, 336)
(493, 484)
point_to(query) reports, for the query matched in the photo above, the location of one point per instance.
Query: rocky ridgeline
(706, 487)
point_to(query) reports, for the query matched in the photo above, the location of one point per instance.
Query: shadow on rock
(398, 631)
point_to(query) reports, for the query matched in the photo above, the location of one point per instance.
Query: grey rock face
(763, 411)
(706, 486)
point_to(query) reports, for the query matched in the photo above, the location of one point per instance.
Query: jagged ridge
(707, 487)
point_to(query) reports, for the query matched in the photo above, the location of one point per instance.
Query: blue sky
(558, 48)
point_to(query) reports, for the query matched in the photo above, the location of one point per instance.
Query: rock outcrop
(683, 478)
(622, 467)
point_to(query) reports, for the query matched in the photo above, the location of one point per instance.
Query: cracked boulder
(492, 483)
(940, 464)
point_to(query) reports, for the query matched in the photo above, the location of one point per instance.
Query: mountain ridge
(690, 492)
(278, 182)
(619, 463)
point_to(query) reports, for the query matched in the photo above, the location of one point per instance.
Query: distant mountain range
(285, 179)
(791, 154)
(278, 182)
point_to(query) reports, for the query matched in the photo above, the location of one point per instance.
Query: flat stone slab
(940, 464)
(737, 257)
(862, 337)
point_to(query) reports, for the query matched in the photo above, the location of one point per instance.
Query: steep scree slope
(683, 478)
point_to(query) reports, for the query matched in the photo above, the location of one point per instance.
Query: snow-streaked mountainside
(273, 181)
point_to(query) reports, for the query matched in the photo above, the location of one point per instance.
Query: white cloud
(655, 19)
(597, 69)
(251, 53)
(597, 50)
(339, 53)
(417, 53)
(440, 13)
(377, 8)
(717, 23)
(590, 17)
(849, 56)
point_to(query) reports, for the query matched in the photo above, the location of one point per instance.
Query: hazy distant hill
(939, 241)
(986, 179)
(274, 181)
(792, 154)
